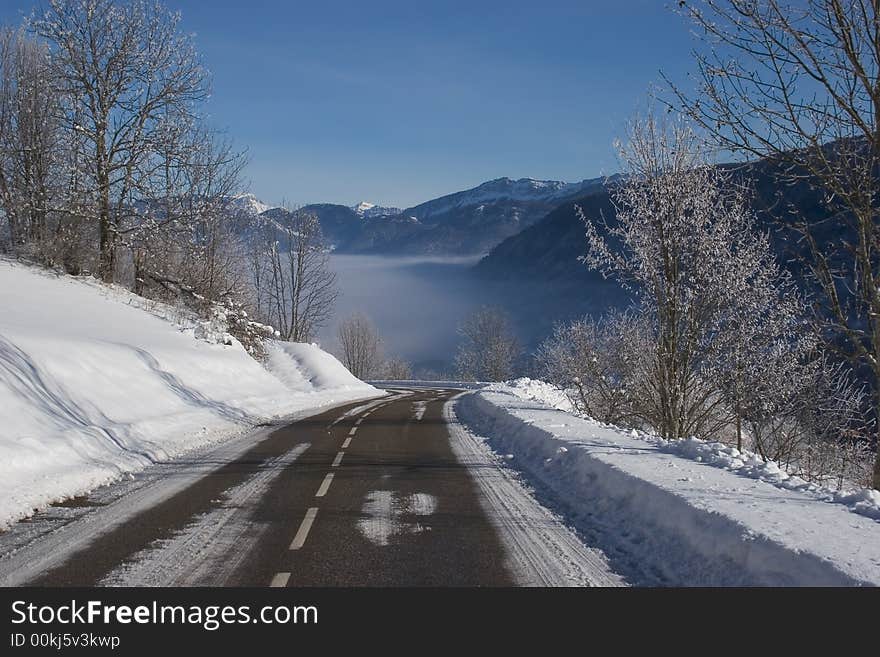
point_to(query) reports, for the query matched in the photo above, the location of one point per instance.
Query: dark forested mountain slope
(548, 251)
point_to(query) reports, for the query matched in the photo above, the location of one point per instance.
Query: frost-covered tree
(763, 336)
(361, 346)
(127, 72)
(489, 348)
(186, 232)
(797, 81)
(684, 241)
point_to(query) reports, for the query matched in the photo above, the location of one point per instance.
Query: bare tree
(186, 232)
(290, 266)
(361, 346)
(397, 369)
(489, 348)
(799, 82)
(128, 71)
(29, 137)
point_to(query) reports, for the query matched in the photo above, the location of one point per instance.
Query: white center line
(337, 460)
(346, 443)
(353, 431)
(359, 420)
(322, 489)
(303, 532)
(280, 580)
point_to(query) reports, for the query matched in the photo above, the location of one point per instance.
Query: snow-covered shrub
(815, 425)
(248, 332)
(397, 369)
(218, 322)
(596, 363)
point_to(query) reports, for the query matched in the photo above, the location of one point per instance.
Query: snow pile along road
(662, 519)
(864, 501)
(92, 386)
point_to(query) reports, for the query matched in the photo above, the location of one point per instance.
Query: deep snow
(96, 383)
(661, 516)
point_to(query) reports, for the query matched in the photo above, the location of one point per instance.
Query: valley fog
(416, 303)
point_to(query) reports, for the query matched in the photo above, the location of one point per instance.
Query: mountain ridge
(466, 222)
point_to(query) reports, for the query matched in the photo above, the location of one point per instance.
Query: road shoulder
(541, 550)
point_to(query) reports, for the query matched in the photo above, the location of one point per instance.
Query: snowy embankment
(664, 519)
(96, 383)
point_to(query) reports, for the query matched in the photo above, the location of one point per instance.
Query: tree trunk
(876, 480)
(107, 261)
(107, 255)
(739, 434)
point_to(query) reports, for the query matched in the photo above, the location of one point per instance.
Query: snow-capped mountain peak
(367, 210)
(249, 203)
(544, 193)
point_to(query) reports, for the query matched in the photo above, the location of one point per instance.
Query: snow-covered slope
(94, 384)
(665, 519)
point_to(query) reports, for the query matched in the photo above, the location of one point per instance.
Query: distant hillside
(548, 251)
(475, 220)
(340, 223)
(469, 222)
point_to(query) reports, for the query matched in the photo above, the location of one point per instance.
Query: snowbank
(743, 462)
(306, 369)
(666, 520)
(93, 386)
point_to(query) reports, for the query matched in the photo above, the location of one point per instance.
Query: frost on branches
(719, 345)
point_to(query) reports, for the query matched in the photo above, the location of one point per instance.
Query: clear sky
(400, 101)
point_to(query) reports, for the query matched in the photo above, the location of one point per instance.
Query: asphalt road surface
(367, 494)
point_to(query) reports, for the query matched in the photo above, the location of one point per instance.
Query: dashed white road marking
(353, 431)
(359, 420)
(325, 485)
(365, 408)
(303, 532)
(280, 580)
(337, 461)
(346, 443)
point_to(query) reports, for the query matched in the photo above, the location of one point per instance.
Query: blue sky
(399, 102)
